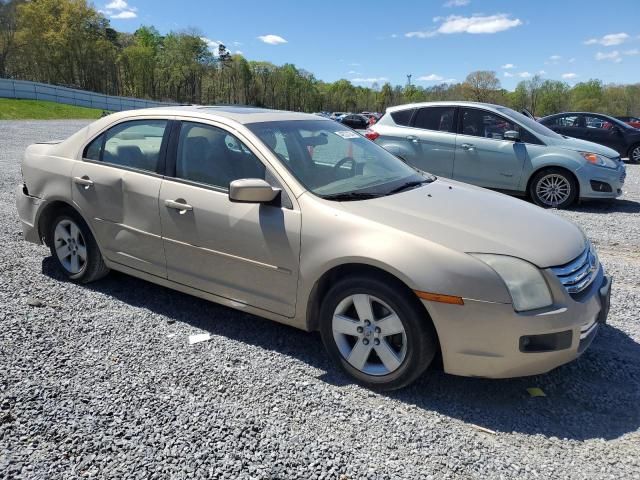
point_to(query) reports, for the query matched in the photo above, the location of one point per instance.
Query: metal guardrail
(23, 89)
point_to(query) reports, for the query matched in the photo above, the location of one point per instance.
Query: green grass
(11, 109)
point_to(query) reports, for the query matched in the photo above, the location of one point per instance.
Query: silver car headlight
(599, 160)
(525, 282)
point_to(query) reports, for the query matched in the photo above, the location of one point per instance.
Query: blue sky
(434, 40)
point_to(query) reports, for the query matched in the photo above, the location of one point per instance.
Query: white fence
(42, 91)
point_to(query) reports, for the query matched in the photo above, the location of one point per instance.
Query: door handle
(467, 146)
(412, 138)
(85, 181)
(179, 205)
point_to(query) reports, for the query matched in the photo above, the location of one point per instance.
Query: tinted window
(480, 123)
(435, 118)
(597, 122)
(133, 144)
(402, 117)
(214, 157)
(92, 152)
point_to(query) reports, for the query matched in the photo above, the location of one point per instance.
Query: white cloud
(120, 10)
(354, 65)
(456, 3)
(238, 52)
(476, 24)
(542, 72)
(508, 74)
(124, 15)
(609, 40)
(353, 72)
(432, 77)
(555, 58)
(572, 60)
(272, 39)
(569, 76)
(508, 66)
(635, 51)
(612, 56)
(524, 74)
(394, 35)
(370, 80)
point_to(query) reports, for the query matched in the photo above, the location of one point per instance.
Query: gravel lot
(100, 381)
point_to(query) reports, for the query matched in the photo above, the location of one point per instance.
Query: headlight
(598, 160)
(524, 281)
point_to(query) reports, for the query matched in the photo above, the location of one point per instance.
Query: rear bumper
(28, 207)
(491, 340)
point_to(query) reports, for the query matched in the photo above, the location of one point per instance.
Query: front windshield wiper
(410, 185)
(349, 196)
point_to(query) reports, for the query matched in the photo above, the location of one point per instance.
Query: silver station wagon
(499, 148)
(301, 220)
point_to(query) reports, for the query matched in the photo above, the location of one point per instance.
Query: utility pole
(409, 79)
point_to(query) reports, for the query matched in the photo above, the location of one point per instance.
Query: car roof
(488, 106)
(239, 114)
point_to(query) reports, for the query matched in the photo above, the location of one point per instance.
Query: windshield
(529, 123)
(335, 162)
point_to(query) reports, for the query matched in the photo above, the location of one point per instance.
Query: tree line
(70, 43)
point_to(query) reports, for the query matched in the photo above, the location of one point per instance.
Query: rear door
(433, 139)
(482, 155)
(116, 188)
(244, 252)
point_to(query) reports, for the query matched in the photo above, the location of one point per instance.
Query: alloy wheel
(635, 155)
(553, 189)
(369, 334)
(70, 246)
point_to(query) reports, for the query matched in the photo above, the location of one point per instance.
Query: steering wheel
(344, 160)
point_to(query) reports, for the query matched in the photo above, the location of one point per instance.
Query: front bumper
(484, 339)
(598, 182)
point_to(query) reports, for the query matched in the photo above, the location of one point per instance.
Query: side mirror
(511, 135)
(252, 190)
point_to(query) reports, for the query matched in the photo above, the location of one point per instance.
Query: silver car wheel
(635, 154)
(369, 334)
(553, 189)
(70, 246)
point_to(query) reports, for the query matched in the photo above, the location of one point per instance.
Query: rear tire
(387, 351)
(74, 249)
(553, 188)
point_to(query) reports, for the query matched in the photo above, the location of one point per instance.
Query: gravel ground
(99, 381)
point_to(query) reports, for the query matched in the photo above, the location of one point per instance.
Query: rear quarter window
(402, 117)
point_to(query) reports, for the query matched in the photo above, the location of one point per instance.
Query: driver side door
(245, 252)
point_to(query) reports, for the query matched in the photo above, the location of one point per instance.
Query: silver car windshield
(529, 123)
(335, 162)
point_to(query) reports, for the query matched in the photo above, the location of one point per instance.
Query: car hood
(578, 145)
(474, 220)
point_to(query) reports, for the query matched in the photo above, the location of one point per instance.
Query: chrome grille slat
(578, 274)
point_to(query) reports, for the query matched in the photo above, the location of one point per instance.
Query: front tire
(74, 249)
(377, 331)
(553, 188)
(634, 154)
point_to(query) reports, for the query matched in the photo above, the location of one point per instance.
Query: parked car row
(496, 147)
(300, 219)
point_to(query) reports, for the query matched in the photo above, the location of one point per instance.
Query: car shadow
(607, 206)
(596, 396)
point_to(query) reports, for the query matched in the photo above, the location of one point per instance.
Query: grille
(579, 273)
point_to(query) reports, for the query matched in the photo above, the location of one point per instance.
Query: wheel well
(552, 167)
(47, 216)
(323, 284)
(631, 149)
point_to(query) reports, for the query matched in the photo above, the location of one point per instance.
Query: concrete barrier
(23, 89)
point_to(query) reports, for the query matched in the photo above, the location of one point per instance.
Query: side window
(402, 117)
(435, 118)
(212, 156)
(481, 123)
(134, 144)
(597, 122)
(568, 121)
(93, 150)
